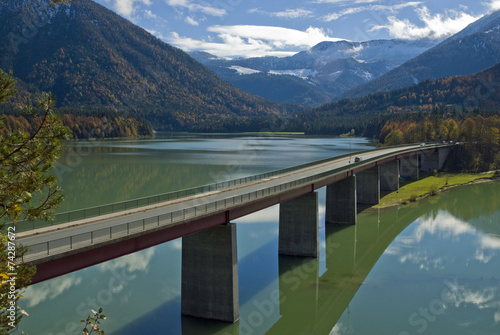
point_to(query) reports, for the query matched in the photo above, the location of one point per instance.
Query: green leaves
(27, 187)
(6, 86)
(93, 322)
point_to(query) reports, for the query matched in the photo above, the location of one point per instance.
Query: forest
(462, 96)
(83, 125)
(478, 136)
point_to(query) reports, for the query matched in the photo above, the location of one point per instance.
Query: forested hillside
(93, 59)
(457, 97)
(97, 125)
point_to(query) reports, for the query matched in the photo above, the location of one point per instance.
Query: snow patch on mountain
(243, 70)
(301, 73)
(364, 74)
(395, 51)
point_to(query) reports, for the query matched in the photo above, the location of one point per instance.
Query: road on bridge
(68, 238)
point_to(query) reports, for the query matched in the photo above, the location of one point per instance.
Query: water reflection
(440, 275)
(50, 289)
(402, 271)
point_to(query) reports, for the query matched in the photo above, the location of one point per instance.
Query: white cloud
(488, 246)
(287, 14)
(229, 47)
(194, 7)
(156, 33)
(176, 244)
(138, 261)
(263, 216)
(50, 289)
(490, 242)
(444, 224)
(254, 41)
(150, 15)
(348, 11)
(191, 21)
(344, 1)
(373, 8)
(435, 26)
(127, 7)
(487, 298)
(339, 329)
(461, 295)
(494, 5)
(482, 257)
(422, 260)
(277, 36)
(395, 8)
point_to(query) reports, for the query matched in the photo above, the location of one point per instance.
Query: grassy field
(410, 191)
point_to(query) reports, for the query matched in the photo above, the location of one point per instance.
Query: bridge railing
(90, 212)
(42, 250)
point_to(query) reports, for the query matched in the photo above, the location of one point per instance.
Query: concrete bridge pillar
(368, 186)
(389, 176)
(210, 274)
(299, 226)
(434, 160)
(341, 204)
(409, 167)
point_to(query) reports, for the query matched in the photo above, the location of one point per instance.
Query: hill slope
(459, 95)
(474, 49)
(92, 58)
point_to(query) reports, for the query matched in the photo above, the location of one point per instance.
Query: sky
(256, 28)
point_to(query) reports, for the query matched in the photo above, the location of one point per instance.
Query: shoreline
(429, 186)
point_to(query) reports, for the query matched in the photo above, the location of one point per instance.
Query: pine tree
(27, 190)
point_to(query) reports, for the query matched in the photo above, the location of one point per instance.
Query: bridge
(203, 216)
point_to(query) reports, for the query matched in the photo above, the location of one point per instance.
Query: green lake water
(426, 268)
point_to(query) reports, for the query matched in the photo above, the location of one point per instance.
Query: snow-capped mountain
(319, 74)
(474, 49)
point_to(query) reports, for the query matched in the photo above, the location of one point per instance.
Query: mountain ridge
(475, 48)
(90, 57)
(318, 75)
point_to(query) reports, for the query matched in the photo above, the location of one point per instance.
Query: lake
(426, 268)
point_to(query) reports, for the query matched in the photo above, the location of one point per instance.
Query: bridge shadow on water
(294, 295)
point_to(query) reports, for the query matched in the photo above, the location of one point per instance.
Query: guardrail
(41, 250)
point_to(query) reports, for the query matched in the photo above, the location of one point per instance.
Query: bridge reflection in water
(297, 295)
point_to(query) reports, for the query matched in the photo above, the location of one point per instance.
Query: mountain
(457, 96)
(91, 58)
(474, 49)
(318, 75)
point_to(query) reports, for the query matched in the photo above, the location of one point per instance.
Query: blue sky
(254, 28)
